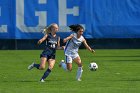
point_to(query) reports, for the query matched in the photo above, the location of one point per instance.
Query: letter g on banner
(20, 19)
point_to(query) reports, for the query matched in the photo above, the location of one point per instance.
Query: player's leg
(68, 65)
(80, 70)
(51, 63)
(63, 65)
(40, 66)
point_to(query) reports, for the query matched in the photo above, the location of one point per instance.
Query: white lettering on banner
(63, 11)
(3, 28)
(42, 1)
(20, 17)
(0, 11)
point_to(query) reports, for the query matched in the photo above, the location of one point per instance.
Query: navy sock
(48, 71)
(37, 66)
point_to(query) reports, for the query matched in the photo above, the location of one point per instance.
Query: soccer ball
(93, 66)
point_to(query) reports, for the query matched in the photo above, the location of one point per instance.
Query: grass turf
(119, 72)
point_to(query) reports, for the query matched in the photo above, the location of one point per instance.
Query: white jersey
(73, 45)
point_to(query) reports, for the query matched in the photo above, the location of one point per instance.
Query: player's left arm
(58, 44)
(87, 46)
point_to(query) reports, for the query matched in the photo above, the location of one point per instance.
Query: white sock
(64, 66)
(79, 73)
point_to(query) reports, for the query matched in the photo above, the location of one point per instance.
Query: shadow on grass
(117, 56)
(118, 60)
(30, 81)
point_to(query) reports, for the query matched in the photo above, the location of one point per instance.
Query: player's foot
(79, 79)
(31, 66)
(42, 80)
(60, 64)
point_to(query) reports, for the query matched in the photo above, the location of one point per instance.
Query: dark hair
(75, 27)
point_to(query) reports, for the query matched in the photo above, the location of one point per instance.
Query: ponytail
(47, 30)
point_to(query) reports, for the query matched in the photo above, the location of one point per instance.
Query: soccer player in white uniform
(71, 50)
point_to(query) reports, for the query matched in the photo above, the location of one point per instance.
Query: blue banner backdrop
(25, 19)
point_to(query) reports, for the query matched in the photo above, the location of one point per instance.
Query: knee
(70, 69)
(42, 67)
(50, 67)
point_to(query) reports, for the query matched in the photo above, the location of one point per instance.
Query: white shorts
(69, 58)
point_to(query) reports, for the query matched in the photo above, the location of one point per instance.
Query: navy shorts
(48, 55)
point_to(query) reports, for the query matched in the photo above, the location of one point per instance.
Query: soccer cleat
(31, 66)
(60, 64)
(79, 79)
(42, 80)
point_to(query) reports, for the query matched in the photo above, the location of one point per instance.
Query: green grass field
(119, 72)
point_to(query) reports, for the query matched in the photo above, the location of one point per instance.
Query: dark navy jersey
(51, 45)
(51, 42)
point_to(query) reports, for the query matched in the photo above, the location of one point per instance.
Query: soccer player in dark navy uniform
(48, 55)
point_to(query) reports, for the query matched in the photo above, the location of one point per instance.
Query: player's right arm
(68, 38)
(42, 39)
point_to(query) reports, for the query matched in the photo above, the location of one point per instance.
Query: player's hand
(65, 40)
(39, 42)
